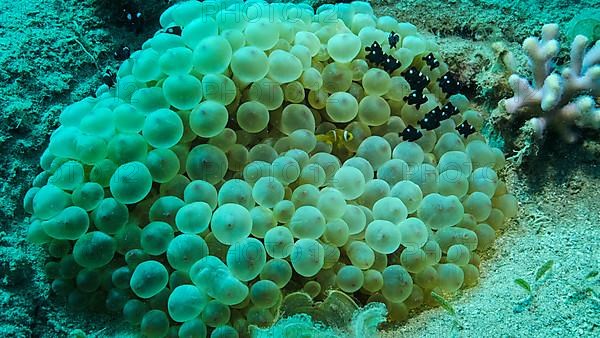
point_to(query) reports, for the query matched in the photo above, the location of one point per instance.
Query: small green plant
(589, 288)
(456, 322)
(531, 288)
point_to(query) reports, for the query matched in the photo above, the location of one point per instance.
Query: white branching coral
(556, 100)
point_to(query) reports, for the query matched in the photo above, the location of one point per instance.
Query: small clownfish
(417, 80)
(109, 78)
(411, 134)
(375, 53)
(336, 137)
(393, 39)
(465, 129)
(175, 30)
(416, 98)
(431, 61)
(449, 84)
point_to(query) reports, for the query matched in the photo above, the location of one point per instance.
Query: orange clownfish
(336, 137)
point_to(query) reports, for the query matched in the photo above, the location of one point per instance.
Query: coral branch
(557, 100)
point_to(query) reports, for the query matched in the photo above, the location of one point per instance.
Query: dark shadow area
(563, 164)
(130, 22)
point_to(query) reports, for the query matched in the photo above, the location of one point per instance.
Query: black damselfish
(417, 80)
(411, 134)
(390, 64)
(465, 129)
(375, 53)
(175, 30)
(450, 84)
(134, 18)
(433, 119)
(430, 121)
(416, 98)
(448, 110)
(122, 53)
(431, 61)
